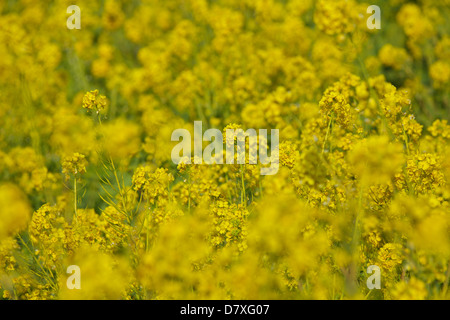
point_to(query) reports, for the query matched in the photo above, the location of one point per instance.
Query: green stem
(47, 276)
(243, 199)
(356, 238)
(148, 228)
(405, 138)
(189, 200)
(358, 213)
(447, 276)
(75, 197)
(328, 132)
(372, 91)
(260, 188)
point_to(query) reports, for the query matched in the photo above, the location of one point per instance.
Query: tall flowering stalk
(74, 166)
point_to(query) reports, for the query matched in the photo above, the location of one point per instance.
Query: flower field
(93, 207)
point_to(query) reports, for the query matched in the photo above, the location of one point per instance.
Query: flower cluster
(93, 101)
(364, 150)
(74, 165)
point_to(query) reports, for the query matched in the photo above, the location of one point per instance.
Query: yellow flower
(74, 165)
(368, 159)
(93, 101)
(336, 17)
(15, 210)
(121, 139)
(102, 276)
(414, 289)
(393, 57)
(440, 73)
